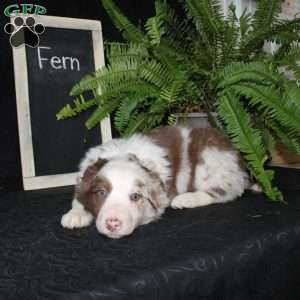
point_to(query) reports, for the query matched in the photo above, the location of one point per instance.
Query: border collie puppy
(125, 183)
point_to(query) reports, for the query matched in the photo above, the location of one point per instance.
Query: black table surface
(246, 249)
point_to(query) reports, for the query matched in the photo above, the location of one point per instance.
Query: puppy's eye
(135, 197)
(101, 192)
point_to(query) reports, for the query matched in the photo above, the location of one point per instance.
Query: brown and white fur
(129, 182)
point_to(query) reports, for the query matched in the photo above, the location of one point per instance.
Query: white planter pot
(199, 120)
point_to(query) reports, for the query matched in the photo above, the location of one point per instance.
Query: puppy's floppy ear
(149, 166)
(91, 172)
(146, 164)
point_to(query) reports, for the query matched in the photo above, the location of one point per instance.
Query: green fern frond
(284, 32)
(172, 119)
(283, 38)
(134, 88)
(177, 28)
(249, 72)
(108, 77)
(293, 94)
(79, 88)
(245, 23)
(155, 26)
(79, 106)
(288, 56)
(293, 143)
(124, 113)
(278, 105)
(248, 140)
(295, 69)
(120, 71)
(229, 39)
(120, 52)
(135, 124)
(155, 73)
(294, 52)
(101, 113)
(266, 14)
(143, 122)
(206, 15)
(154, 30)
(153, 120)
(171, 93)
(263, 26)
(173, 56)
(178, 32)
(66, 112)
(255, 41)
(129, 31)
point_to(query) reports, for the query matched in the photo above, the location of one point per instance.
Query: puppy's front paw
(76, 218)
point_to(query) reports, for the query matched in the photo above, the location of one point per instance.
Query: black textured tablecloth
(247, 249)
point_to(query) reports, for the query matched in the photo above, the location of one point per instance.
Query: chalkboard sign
(50, 149)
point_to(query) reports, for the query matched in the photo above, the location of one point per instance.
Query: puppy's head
(121, 193)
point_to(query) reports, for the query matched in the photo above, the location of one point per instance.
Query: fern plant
(201, 59)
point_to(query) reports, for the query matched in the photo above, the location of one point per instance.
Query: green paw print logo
(24, 31)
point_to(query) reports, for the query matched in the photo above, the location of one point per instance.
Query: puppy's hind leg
(77, 217)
